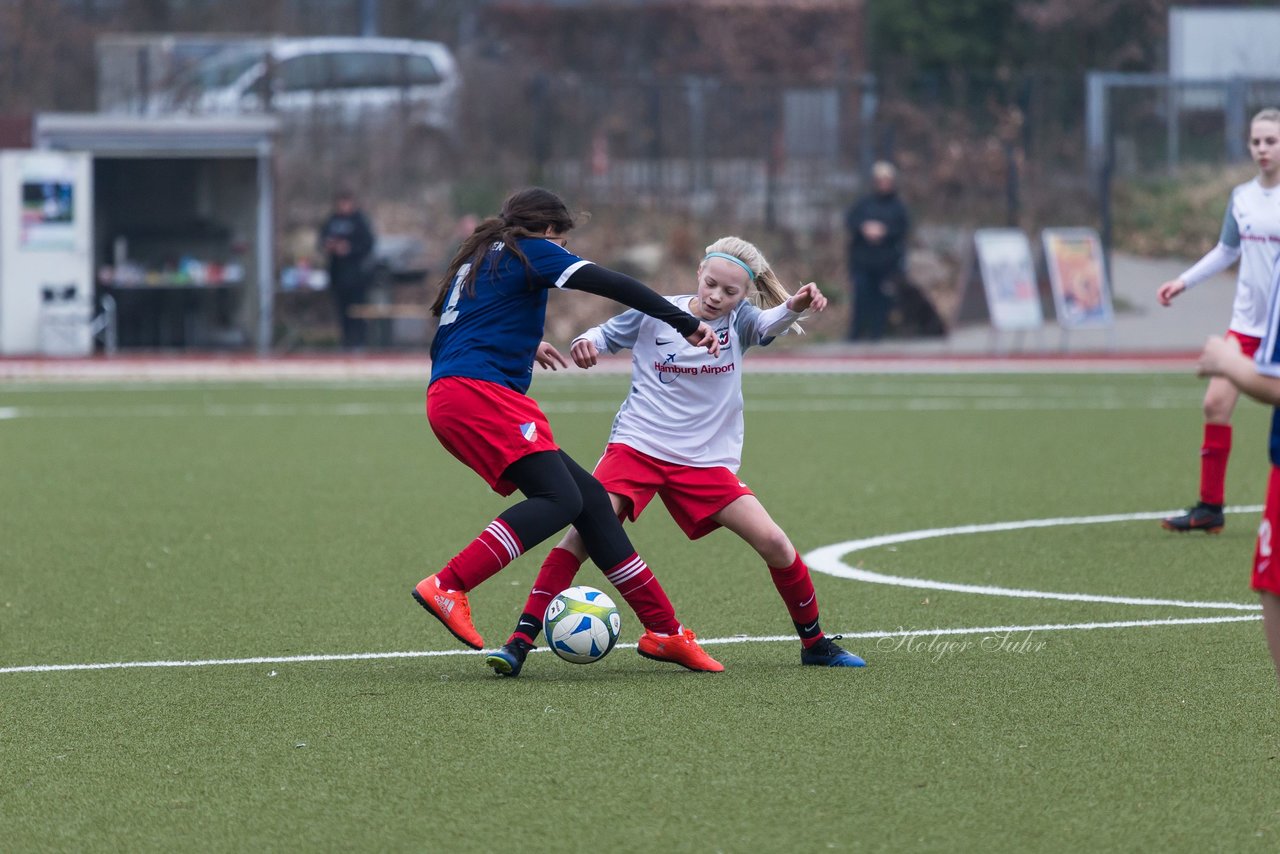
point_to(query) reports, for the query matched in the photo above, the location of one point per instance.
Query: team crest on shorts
(529, 431)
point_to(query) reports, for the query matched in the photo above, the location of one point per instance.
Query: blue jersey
(493, 333)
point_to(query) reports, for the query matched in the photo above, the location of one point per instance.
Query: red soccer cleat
(681, 649)
(449, 607)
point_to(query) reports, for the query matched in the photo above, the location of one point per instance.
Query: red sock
(1213, 462)
(796, 589)
(641, 590)
(556, 574)
(496, 547)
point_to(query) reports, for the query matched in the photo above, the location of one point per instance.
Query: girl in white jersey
(679, 435)
(1250, 234)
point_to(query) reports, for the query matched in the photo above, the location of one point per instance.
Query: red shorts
(487, 426)
(1266, 556)
(1248, 344)
(692, 495)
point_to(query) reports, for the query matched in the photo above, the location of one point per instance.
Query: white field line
(251, 370)
(376, 656)
(906, 405)
(921, 386)
(829, 560)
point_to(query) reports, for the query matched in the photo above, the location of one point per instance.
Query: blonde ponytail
(766, 290)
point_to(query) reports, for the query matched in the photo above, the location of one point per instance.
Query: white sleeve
(1215, 261)
(774, 321)
(760, 326)
(616, 333)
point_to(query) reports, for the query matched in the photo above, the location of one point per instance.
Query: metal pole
(1013, 207)
(266, 249)
(368, 17)
(144, 80)
(1104, 205)
(1095, 119)
(868, 104)
(1237, 125)
(697, 132)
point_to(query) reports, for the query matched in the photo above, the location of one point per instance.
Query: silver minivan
(346, 79)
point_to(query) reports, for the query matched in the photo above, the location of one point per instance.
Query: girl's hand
(1169, 290)
(549, 357)
(584, 353)
(1218, 353)
(808, 297)
(705, 336)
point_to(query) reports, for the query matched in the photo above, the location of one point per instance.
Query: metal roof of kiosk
(117, 136)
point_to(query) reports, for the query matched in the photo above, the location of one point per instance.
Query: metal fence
(1143, 123)
(769, 150)
(774, 151)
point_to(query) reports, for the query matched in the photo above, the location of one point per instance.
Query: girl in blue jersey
(1251, 235)
(1259, 378)
(492, 307)
(679, 434)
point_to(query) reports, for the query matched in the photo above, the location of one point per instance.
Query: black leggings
(558, 492)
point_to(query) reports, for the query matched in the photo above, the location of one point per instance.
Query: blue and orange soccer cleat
(449, 607)
(508, 660)
(828, 653)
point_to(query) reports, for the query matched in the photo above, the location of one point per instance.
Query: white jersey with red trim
(685, 405)
(1250, 232)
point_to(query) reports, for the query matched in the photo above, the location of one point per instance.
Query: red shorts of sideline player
(487, 426)
(692, 495)
(1248, 344)
(1266, 556)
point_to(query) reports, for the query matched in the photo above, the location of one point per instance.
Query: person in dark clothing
(877, 226)
(347, 239)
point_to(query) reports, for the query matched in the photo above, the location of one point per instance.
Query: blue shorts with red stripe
(487, 426)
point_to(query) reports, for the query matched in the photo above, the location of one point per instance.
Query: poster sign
(48, 214)
(1008, 278)
(1078, 277)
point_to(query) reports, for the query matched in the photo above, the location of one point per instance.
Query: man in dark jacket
(877, 227)
(346, 239)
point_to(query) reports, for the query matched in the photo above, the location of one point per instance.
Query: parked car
(345, 79)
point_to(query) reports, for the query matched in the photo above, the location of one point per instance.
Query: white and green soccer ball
(582, 625)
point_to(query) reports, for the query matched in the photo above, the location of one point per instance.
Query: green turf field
(210, 524)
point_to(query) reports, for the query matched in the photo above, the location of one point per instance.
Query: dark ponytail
(525, 213)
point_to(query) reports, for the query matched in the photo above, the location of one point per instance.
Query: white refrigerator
(46, 253)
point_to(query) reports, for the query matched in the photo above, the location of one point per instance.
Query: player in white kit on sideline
(1250, 234)
(679, 435)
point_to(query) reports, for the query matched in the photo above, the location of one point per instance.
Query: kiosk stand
(46, 284)
(179, 217)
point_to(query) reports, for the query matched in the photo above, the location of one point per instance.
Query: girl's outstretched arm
(1222, 358)
(549, 357)
(584, 353)
(808, 297)
(604, 282)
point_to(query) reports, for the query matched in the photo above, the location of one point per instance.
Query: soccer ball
(582, 625)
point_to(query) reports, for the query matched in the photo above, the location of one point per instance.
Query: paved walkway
(1142, 325)
(1145, 337)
